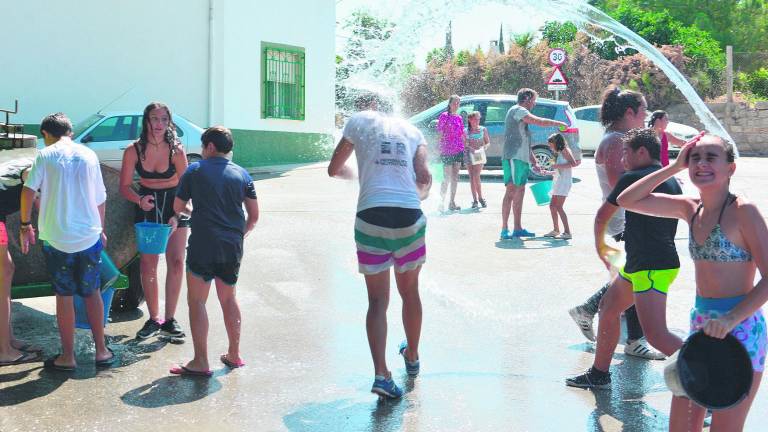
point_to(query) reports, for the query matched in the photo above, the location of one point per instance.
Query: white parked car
(591, 130)
(108, 134)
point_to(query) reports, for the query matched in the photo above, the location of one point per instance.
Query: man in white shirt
(71, 220)
(389, 228)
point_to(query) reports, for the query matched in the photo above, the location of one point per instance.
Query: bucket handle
(159, 212)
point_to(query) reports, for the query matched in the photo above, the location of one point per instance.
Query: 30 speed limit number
(557, 57)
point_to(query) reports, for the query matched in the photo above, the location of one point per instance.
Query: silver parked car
(493, 111)
(108, 134)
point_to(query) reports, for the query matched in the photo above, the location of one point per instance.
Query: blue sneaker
(386, 387)
(522, 233)
(505, 235)
(412, 368)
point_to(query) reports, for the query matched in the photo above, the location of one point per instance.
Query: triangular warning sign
(557, 77)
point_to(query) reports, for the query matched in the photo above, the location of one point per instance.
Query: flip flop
(51, 364)
(230, 364)
(107, 363)
(25, 357)
(185, 371)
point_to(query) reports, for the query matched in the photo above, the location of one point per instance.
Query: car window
(496, 113)
(589, 114)
(113, 129)
(140, 124)
(545, 111)
(85, 124)
(465, 109)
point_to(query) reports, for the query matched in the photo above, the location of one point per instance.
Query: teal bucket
(108, 272)
(436, 168)
(541, 192)
(152, 238)
(81, 317)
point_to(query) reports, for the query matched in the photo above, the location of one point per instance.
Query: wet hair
(728, 147)
(450, 100)
(221, 138)
(369, 100)
(644, 137)
(615, 104)
(57, 125)
(558, 140)
(525, 94)
(169, 136)
(657, 115)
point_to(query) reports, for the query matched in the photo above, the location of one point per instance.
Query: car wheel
(545, 159)
(132, 297)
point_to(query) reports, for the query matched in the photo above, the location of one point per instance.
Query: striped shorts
(387, 236)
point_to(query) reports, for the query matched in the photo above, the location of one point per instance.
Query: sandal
(25, 357)
(566, 236)
(552, 234)
(185, 371)
(231, 364)
(107, 363)
(453, 207)
(51, 364)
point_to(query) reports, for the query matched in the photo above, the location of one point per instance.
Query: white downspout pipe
(211, 61)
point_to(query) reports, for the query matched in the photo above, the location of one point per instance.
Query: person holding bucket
(517, 160)
(477, 140)
(71, 221)
(219, 188)
(651, 265)
(159, 160)
(727, 242)
(561, 184)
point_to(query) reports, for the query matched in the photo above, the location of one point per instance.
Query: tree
(525, 40)
(559, 35)
(448, 50)
(502, 50)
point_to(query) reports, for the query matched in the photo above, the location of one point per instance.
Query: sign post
(557, 81)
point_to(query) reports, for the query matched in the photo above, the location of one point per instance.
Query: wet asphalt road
(497, 340)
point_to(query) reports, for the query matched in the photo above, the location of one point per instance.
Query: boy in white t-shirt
(72, 201)
(389, 228)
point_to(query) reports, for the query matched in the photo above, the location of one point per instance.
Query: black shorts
(227, 272)
(163, 206)
(452, 159)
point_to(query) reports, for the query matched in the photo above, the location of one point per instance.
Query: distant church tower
(448, 50)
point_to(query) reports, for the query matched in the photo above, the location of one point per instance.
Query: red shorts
(3, 235)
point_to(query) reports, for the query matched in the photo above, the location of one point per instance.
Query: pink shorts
(3, 235)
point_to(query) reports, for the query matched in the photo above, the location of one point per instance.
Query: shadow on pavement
(532, 243)
(173, 390)
(382, 415)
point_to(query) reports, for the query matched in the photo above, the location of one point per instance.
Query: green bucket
(436, 168)
(541, 192)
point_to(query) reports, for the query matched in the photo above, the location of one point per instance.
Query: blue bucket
(108, 271)
(152, 238)
(81, 317)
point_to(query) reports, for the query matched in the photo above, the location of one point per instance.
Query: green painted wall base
(260, 148)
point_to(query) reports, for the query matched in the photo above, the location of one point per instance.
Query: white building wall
(77, 57)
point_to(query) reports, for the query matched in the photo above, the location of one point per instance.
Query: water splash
(416, 18)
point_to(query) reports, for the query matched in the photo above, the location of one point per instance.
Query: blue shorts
(74, 273)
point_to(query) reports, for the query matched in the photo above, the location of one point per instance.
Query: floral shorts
(3, 235)
(74, 273)
(751, 332)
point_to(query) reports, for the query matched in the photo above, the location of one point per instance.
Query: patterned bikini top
(716, 247)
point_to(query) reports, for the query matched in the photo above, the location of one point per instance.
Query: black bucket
(714, 373)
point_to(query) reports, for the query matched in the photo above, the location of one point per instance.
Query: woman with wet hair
(658, 122)
(451, 135)
(158, 158)
(727, 238)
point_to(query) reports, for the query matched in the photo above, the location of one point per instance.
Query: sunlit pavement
(497, 340)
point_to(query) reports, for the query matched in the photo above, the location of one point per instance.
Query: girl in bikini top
(717, 247)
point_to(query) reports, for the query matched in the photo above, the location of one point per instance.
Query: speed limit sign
(557, 57)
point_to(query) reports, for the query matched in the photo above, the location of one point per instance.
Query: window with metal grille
(283, 84)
